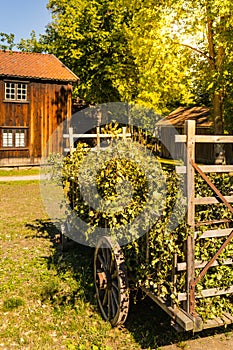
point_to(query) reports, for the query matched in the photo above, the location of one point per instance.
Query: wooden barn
(174, 123)
(35, 98)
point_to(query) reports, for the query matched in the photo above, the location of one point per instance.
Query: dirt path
(216, 342)
(19, 178)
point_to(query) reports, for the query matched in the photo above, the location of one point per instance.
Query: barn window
(15, 91)
(14, 137)
(7, 138)
(19, 138)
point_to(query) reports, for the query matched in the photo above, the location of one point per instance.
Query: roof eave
(38, 78)
(66, 67)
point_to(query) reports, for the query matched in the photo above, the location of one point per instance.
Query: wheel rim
(111, 281)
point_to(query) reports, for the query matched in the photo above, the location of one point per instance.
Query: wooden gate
(189, 298)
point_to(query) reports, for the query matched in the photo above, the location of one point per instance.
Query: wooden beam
(206, 138)
(229, 316)
(181, 169)
(216, 322)
(180, 138)
(216, 168)
(98, 137)
(200, 264)
(206, 293)
(176, 314)
(86, 136)
(207, 169)
(71, 139)
(213, 139)
(211, 200)
(214, 233)
(190, 128)
(212, 222)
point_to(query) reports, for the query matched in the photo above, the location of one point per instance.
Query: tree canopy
(89, 37)
(161, 54)
(6, 41)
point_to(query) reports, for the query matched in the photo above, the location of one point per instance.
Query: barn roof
(181, 114)
(34, 65)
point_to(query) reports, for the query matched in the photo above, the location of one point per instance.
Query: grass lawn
(47, 297)
(19, 171)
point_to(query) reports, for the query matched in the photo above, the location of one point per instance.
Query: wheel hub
(103, 280)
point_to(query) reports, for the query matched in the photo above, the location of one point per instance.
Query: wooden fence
(72, 138)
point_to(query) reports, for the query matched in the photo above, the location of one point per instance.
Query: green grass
(19, 171)
(47, 296)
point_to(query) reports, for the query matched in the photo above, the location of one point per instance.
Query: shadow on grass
(149, 325)
(76, 258)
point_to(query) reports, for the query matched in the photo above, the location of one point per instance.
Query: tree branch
(209, 58)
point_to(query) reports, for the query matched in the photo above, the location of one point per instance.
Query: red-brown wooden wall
(48, 105)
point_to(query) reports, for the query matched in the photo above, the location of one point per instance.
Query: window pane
(19, 138)
(9, 91)
(7, 138)
(22, 92)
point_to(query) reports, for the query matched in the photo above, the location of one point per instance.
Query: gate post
(190, 128)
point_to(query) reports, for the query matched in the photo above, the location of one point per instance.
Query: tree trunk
(217, 113)
(215, 63)
(216, 57)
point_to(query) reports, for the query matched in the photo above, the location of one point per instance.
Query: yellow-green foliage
(150, 257)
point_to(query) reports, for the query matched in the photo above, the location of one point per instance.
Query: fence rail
(98, 136)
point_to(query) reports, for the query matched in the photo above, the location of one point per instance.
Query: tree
(208, 26)
(183, 51)
(31, 45)
(118, 49)
(161, 54)
(163, 68)
(89, 37)
(6, 41)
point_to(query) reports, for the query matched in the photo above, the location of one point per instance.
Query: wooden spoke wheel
(111, 281)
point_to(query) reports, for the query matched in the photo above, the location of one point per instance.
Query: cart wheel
(111, 281)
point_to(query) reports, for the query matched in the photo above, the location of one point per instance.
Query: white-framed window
(20, 138)
(7, 138)
(15, 91)
(16, 138)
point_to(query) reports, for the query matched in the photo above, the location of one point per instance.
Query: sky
(20, 17)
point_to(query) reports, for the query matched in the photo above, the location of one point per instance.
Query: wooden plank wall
(48, 105)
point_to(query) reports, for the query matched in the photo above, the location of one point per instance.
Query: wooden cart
(110, 275)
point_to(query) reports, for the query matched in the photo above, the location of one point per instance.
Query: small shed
(173, 124)
(35, 98)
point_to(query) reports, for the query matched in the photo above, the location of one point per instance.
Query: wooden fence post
(98, 137)
(190, 127)
(71, 139)
(124, 133)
